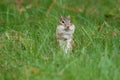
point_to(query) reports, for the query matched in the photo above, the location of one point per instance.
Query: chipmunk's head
(65, 21)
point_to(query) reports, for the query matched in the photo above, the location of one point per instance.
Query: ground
(29, 51)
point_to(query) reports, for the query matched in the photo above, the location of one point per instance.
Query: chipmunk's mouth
(67, 29)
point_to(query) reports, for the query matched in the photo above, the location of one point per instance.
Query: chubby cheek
(72, 28)
(64, 28)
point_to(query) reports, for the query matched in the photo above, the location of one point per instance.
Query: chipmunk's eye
(63, 22)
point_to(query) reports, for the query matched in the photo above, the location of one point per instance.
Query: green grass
(29, 51)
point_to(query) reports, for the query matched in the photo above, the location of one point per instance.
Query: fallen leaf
(34, 70)
(114, 33)
(100, 28)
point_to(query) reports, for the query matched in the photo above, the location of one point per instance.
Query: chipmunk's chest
(63, 33)
(63, 30)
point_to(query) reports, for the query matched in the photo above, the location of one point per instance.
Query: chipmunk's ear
(68, 17)
(61, 17)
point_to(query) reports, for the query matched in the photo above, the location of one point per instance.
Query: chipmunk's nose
(67, 27)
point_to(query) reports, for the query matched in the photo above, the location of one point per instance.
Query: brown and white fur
(64, 33)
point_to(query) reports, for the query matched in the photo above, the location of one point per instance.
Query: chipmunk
(64, 33)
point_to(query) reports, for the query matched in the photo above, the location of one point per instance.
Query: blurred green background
(29, 51)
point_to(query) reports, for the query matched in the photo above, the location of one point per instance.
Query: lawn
(29, 51)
